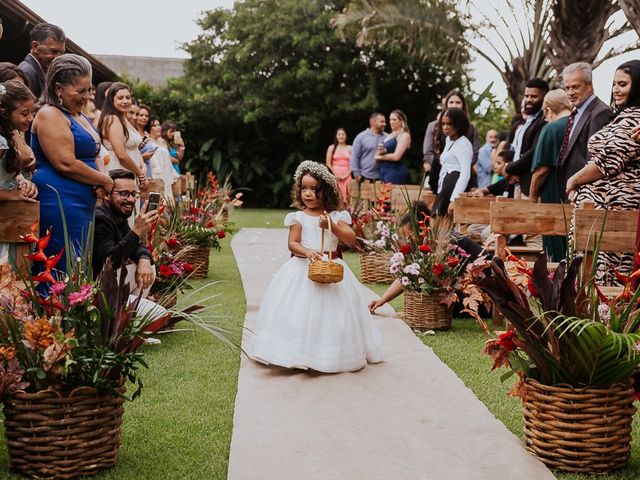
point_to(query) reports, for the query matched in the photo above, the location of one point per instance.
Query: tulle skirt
(308, 325)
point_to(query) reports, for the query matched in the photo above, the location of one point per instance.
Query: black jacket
(34, 73)
(522, 166)
(114, 238)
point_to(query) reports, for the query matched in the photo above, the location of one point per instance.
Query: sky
(147, 28)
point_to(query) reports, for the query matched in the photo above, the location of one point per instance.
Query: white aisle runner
(409, 417)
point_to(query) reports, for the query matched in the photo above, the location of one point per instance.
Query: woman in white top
(456, 159)
(119, 136)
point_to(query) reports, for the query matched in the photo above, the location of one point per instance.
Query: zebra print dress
(617, 156)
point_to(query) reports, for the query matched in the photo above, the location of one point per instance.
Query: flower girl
(309, 325)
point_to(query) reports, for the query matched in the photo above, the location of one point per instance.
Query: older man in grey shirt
(365, 148)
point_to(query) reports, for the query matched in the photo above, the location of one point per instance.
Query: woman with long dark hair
(611, 178)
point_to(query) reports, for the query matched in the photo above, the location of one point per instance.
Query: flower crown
(319, 170)
(3, 89)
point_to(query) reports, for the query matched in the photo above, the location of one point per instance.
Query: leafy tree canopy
(268, 83)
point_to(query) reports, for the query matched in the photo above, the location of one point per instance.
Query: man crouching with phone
(115, 239)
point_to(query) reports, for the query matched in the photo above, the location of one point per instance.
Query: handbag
(325, 271)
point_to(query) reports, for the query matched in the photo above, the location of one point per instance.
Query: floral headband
(3, 89)
(319, 170)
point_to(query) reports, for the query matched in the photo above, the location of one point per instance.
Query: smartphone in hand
(154, 201)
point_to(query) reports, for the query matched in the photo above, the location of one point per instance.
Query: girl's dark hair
(101, 93)
(15, 93)
(460, 95)
(335, 138)
(9, 71)
(631, 68)
(415, 213)
(459, 120)
(142, 106)
(330, 197)
(165, 127)
(109, 109)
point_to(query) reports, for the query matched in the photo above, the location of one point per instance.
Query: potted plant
(429, 265)
(574, 351)
(172, 273)
(67, 352)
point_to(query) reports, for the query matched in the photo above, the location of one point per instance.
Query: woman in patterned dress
(611, 179)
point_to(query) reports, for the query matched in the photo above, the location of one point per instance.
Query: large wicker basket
(199, 258)
(325, 271)
(425, 312)
(374, 267)
(582, 430)
(50, 435)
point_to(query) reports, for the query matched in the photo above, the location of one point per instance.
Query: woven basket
(199, 258)
(50, 435)
(582, 430)
(425, 312)
(325, 271)
(374, 267)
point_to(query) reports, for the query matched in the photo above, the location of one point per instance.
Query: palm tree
(631, 9)
(520, 39)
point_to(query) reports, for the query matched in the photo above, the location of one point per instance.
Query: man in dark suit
(524, 142)
(47, 43)
(589, 114)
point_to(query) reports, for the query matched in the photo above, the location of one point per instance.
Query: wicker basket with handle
(325, 271)
(423, 311)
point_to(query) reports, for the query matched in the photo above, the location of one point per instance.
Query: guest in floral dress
(611, 179)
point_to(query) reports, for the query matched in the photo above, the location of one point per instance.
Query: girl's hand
(147, 155)
(375, 304)
(324, 220)
(314, 255)
(635, 133)
(18, 194)
(450, 208)
(28, 189)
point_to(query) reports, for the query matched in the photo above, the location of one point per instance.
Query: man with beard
(47, 43)
(524, 142)
(113, 238)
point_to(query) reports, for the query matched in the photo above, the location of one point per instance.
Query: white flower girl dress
(309, 325)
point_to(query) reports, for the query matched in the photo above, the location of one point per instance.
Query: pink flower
(58, 287)
(82, 296)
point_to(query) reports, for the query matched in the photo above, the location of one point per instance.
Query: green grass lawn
(180, 427)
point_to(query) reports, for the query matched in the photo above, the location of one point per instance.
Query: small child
(16, 113)
(308, 325)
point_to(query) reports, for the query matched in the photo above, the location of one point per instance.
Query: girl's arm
(340, 229)
(392, 292)
(15, 194)
(295, 247)
(58, 146)
(329, 157)
(404, 142)
(115, 134)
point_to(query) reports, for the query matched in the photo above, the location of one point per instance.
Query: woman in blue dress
(392, 168)
(65, 144)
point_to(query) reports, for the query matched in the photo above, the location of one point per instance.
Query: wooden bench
(17, 219)
(468, 210)
(521, 217)
(617, 235)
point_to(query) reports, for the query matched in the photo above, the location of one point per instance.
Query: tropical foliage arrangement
(66, 331)
(563, 330)
(428, 261)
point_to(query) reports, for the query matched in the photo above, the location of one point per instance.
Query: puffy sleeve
(291, 218)
(341, 216)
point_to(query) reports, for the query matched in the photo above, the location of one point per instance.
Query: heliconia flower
(31, 237)
(438, 268)
(221, 234)
(424, 248)
(532, 289)
(452, 262)
(51, 303)
(82, 296)
(44, 241)
(58, 287)
(44, 277)
(38, 256)
(53, 260)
